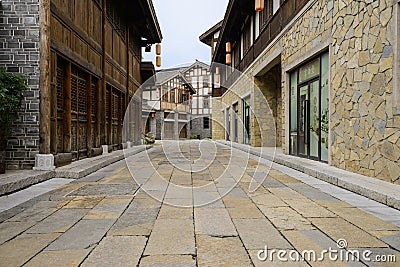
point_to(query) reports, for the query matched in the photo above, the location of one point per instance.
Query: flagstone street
(198, 203)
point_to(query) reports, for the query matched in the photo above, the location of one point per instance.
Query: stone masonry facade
(197, 126)
(364, 123)
(19, 53)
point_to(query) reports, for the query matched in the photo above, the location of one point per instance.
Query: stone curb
(75, 170)
(372, 188)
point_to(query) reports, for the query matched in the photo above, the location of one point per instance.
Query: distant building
(166, 105)
(82, 72)
(197, 78)
(330, 73)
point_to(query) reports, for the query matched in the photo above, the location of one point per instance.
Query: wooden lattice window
(60, 105)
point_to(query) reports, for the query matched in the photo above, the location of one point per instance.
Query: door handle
(306, 124)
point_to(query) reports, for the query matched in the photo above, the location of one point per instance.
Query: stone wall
(197, 126)
(19, 53)
(360, 37)
(365, 132)
(217, 127)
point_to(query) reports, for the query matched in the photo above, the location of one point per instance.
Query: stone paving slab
(9, 230)
(19, 250)
(85, 234)
(257, 233)
(106, 190)
(128, 252)
(338, 228)
(58, 222)
(274, 261)
(216, 251)
(214, 222)
(168, 261)
(39, 211)
(378, 190)
(62, 258)
(171, 237)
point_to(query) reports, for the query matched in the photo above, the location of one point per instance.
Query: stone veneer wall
(362, 121)
(360, 36)
(197, 126)
(217, 127)
(19, 53)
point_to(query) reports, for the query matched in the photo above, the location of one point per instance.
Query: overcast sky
(182, 22)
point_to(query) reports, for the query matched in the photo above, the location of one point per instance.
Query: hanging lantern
(158, 49)
(158, 61)
(259, 5)
(217, 70)
(228, 47)
(228, 59)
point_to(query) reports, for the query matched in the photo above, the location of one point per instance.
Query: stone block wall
(19, 53)
(361, 39)
(197, 127)
(365, 132)
(217, 127)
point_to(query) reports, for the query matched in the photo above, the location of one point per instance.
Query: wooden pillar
(110, 116)
(98, 114)
(67, 109)
(54, 111)
(89, 144)
(44, 78)
(103, 79)
(125, 116)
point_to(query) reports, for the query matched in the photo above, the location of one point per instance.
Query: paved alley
(198, 203)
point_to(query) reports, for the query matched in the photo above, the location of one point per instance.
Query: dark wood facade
(95, 69)
(246, 45)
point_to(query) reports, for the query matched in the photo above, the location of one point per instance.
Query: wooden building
(90, 68)
(167, 109)
(199, 75)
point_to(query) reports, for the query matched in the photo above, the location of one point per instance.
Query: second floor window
(206, 102)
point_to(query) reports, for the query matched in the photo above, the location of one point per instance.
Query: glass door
(309, 121)
(303, 111)
(246, 115)
(314, 121)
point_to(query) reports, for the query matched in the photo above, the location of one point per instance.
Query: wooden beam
(68, 54)
(67, 109)
(44, 77)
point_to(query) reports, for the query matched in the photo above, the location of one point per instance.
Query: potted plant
(149, 139)
(12, 87)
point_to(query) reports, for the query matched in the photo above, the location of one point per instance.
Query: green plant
(12, 87)
(193, 136)
(149, 139)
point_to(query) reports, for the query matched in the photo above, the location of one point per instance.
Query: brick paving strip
(107, 219)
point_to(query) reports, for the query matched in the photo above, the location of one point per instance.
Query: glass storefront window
(324, 106)
(309, 71)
